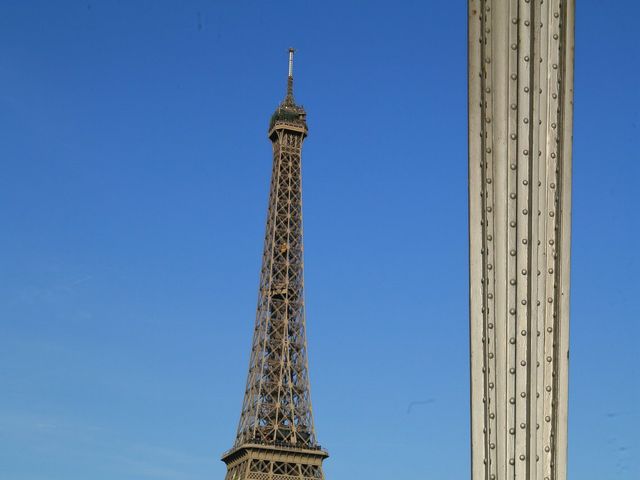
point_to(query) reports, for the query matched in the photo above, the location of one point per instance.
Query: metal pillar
(276, 438)
(520, 133)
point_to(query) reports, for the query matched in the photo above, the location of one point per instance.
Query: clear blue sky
(134, 168)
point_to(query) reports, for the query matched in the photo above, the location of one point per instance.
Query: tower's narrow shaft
(276, 438)
(520, 133)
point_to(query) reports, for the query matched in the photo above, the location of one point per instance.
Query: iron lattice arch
(275, 439)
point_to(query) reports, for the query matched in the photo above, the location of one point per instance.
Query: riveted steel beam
(520, 133)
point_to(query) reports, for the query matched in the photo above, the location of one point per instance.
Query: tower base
(252, 461)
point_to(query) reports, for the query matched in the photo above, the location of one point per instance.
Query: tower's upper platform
(289, 115)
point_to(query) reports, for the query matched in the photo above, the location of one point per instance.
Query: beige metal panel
(520, 88)
(477, 360)
(500, 107)
(565, 127)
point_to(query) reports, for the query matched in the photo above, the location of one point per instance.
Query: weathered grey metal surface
(520, 132)
(276, 438)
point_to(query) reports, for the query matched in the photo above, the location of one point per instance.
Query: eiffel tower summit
(276, 438)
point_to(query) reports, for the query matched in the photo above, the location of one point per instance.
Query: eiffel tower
(276, 438)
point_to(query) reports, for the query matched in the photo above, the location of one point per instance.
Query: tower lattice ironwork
(276, 438)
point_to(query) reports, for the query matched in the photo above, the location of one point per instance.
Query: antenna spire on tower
(291, 62)
(290, 77)
(288, 111)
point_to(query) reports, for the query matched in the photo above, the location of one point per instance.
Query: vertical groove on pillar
(520, 124)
